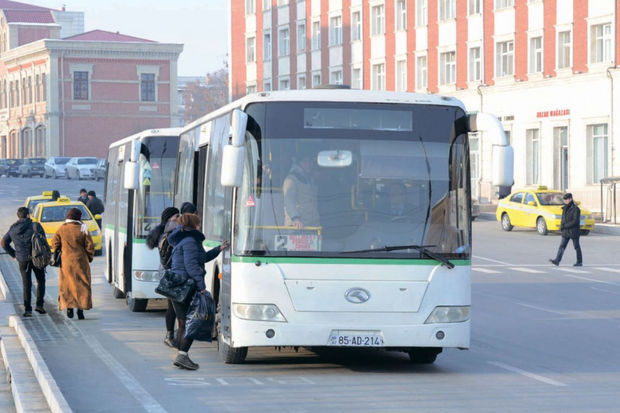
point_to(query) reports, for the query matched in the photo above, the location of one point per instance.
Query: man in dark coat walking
(20, 234)
(570, 227)
(95, 205)
(83, 198)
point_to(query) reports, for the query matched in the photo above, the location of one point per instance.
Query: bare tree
(204, 97)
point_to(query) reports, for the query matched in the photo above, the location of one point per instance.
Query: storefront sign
(553, 113)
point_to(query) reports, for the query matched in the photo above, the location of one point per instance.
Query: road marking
(485, 270)
(491, 260)
(605, 291)
(573, 271)
(528, 270)
(534, 376)
(129, 382)
(607, 269)
(591, 279)
(535, 307)
(236, 381)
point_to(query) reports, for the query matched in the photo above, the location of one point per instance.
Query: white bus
(139, 184)
(383, 257)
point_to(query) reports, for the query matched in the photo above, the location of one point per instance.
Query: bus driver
(300, 195)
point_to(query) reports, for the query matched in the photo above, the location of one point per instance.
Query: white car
(81, 167)
(55, 167)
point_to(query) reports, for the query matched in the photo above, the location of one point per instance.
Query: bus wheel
(230, 355)
(541, 226)
(118, 293)
(137, 305)
(424, 355)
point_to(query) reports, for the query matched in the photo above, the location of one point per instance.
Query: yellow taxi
(537, 208)
(33, 201)
(51, 215)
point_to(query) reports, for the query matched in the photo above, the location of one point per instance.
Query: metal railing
(611, 181)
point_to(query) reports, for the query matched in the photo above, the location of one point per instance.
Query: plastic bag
(200, 317)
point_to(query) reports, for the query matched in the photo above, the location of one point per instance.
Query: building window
(301, 82)
(301, 37)
(44, 86)
(401, 15)
(598, 145)
(283, 42)
(80, 85)
(475, 7)
(600, 43)
(401, 76)
(335, 77)
(316, 79)
(421, 77)
(533, 154)
(356, 78)
(335, 31)
(147, 87)
(282, 2)
(37, 89)
(17, 93)
(447, 9)
(251, 50)
(316, 35)
(504, 58)
(250, 7)
(564, 49)
(536, 55)
(266, 5)
(250, 89)
(378, 77)
(267, 85)
(356, 26)
(377, 20)
(267, 46)
(11, 95)
(447, 68)
(30, 99)
(475, 64)
(502, 4)
(285, 84)
(421, 13)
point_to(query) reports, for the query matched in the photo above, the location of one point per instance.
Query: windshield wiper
(423, 249)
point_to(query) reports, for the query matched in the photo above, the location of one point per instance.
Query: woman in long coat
(77, 252)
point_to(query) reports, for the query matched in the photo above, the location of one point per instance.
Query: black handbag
(176, 287)
(55, 261)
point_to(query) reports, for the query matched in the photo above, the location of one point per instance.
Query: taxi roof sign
(64, 199)
(542, 187)
(47, 193)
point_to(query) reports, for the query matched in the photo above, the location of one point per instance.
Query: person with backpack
(188, 260)
(158, 238)
(21, 234)
(77, 251)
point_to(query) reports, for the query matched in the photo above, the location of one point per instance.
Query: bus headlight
(149, 276)
(258, 312)
(448, 315)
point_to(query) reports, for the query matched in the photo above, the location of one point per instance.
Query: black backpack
(165, 252)
(41, 254)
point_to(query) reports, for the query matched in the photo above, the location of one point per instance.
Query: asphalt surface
(544, 339)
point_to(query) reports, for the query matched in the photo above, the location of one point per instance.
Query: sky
(201, 25)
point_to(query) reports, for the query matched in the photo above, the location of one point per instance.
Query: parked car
(55, 167)
(538, 208)
(100, 169)
(4, 167)
(32, 167)
(81, 167)
(13, 167)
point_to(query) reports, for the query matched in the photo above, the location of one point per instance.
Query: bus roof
(146, 133)
(330, 95)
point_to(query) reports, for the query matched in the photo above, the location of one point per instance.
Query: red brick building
(546, 68)
(75, 95)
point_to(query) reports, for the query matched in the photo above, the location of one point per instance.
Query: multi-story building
(547, 69)
(75, 95)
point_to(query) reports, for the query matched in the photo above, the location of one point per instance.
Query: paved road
(544, 339)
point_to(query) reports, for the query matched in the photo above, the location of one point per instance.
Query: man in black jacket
(95, 205)
(20, 234)
(570, 227)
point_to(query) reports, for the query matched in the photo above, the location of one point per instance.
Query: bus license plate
(355, 339)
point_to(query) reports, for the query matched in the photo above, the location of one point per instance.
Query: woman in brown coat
(77, 251)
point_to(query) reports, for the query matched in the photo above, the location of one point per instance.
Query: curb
(52, 393)
(606, 229)
(4, 289)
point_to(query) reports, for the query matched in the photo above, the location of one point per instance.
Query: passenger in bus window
(394, 205)
(300, 195)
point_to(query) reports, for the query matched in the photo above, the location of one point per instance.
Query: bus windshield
(340, 179)
(158, 162)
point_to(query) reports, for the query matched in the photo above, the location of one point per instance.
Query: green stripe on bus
(319, 260)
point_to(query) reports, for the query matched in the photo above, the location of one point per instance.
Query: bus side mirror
(503, 154)
(232, 165)
(132, 173)
(239, 124)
